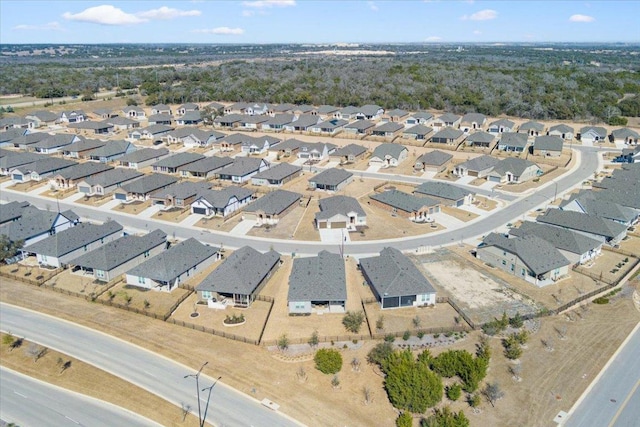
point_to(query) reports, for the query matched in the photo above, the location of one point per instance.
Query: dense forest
(537, 82)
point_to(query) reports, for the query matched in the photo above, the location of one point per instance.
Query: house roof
(84, 145)
(207, 164)
(392, 274)
(190, 116)
(360, 125)
(182, 190)
(241, 273)
(388, 127)
(473, 118)
(242, 166)
(480, 163)
(598, 130)
(331, 176)
(327, 109)
(120, 121)
(28, 138)
(111, 148)
(623, 197)
(279, 171)
(255, 119)
(283, 108)
(389, 149)
(531, 125)
(11, 134)
(161, 107)
(624, 133)
(149, 183)
(189, 106)
(548, 143)
(229, 118)
(215, 106)
(338, 205)
(305, 120)
(351, 149)
(582, 222)
(592, 204)
(349, 109)
(89, 125)
(449, 118)
(319, 278)
(280, 119)
(442, 190)
(83, 170)
(103, 111)
(236, 138)
(17, 159)
(538, 255)
(503, 122)
(448, 133)
(120, 251)
(47, 164)
(32, 222)
(514, 165)
(397, 112)
(481, 137)
(560, 238)
(423, 115)
(175, 261)
(435, 158)
(143, 154)
(289, 144)
(156, 129)
(177, 160)
(53, 141)
(275, 202)
(259, 141)
(316, 146)
(199, 134)
(135, 108)
(404, 201)
(113, 176)
(418, 130)
(73, 238)
(562, 128)
(332, 124)
(163, 117)
(11, 211)
(45, 116)
(219, 199)
(369, 109)
(514, 139)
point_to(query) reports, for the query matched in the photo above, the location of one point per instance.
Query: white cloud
(104, 15)
(482, 15)
(165, 13)
(224, 31)
(265, 4)
(248, 12)
(433, 39)
(477, 32)
(49, 26)
(372, 6)
(581, 18)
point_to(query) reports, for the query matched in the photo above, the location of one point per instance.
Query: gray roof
(111, 148)
(103, 111)
(28, 138)
(473, 118)
(143, 154)
(83, 170)
(149, 183)
(319, 278)
(448, 133)
(338, 205)
(442, 190)
(17, 159)
(289, 144)
(33, 222)
(539, 255)
(331, 176)
(236, 138)
(175, 261)
(53, 141)
(351, 149)
(135, 108)
(120, 251)
(480, 163)
(84, 145)
(305, 120)
(215, 106)
(560, 238)
(418, 130)
(163, 117)
(392, 274)
(275, 202)
(189, 106)
(241, 273)
(548, 142)
(283, 108)
(600, 131)
(241, 166)
(503, 122)
(624, 133)
(161, 107)
(89, 125)
(327, 109)
(332, 124)
(178, 159)
(45, 116)
(229, 118)
(156, 129)
(514, 165)
(279, 171)
(349, 109)
(220, 198)
(113, 176)
(562, 128)
(481, 137)
(48, 164)
(397, 112)
(120, 121)
(11, 211)
(280, 119)
(360, 125)
(369, 109)
(11, 134)
(422, 115)
(582, 222)
(207, 164)
(591, 203)
(388, 127)
(390, 149)
(513, 139)
(449, 117)
(622, 197)
(435, 158)
(255, 119)
(73, 238)
(531, 125)
(404, 201)
(182, 190)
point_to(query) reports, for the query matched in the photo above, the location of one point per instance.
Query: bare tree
(492, 392)
(301, 374)
(66, 365)
(355, 364)
(562, 331)
(516, 370)
(185, 409)
(35, 351)
(548, 344)
(368, 396)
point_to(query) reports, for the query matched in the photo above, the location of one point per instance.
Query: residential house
(368, 112)
(80, 149)
(228, 121)
(74, 116)
(257, 109)
(283, 108)
(349, 153)
(236, 108)
(318, 284)
(346, 113)
(143, 157)
(387, 130)
(17, 160)
(480, 139)
(591, 134)
(277, 175)
(418, 132)
(258, 144)
(513, 142)
(98, 128)
(16, 123)
(240, 277)
(433, 161)
(514, 170)
(478, 167)
(69, 177)
(288, 147)
(122, 123)
(154, 132)
(270, 208)
(104, 113)
(7, 137)
(115, 258)
(326, 112)
(314, 151)
(501, 126)
(416, 209)
(42, 118)
(167, 270)
(161, 109)
(233, 141)
(243, 168)
(472, 122)
(629, 155)
(205, 168)
(389, 154)
(172, 163)
(141, 188)
(190, 118)
(187, 108)
(548, 145)
(221, 202)
(59, 249)
(34, 225)
(329, 127)
(359, 127)
(54, 143)
(446, 120)
(528, 257)
(24, 141)
(625, 136)
(196, 138)
(532, 128)
(449, 136)
(160, 119)
(277, 123)
(12, 211)
(396, 115)
(563, 131)
(605, 230)
(419, 118)
(253, 123)
(303, 123)
(179, 194)
(591, 202)
(111, 151)
(341, 212)
(448, 194)
(107, 182)
(40, 169)
(395, 281)
(215, 107)
(331, 179)
(134, 112)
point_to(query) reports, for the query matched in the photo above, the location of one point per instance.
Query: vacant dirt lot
(133, 207)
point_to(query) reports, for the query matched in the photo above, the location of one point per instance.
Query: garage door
(494, 178)
(322, 224)
(341, 224)
(121, 196)
(472, 173)
(201, 211)
(84, 189)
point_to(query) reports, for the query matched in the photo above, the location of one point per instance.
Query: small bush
(406, 335)
(352, 321)
(389, 338)
(328, 361)
(420, 334)
(436, 335)
(516, 321)
(454, 392)
(601, 300)
(404, 420)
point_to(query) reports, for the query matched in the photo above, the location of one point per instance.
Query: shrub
(406, 335)
(445, 417)
(313, 341)
(380, 353)
(516, 321)
(601, 300)
(474, 400)
(328, 361)
(410, 384)
(404, 420)
(380, 322)
(420, 334)
(454, 392)
(389, 338)
(352, 321)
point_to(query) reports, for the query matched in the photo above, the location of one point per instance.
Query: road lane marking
(624, 404)
(149, 373)
(20, 394)
(72, 420)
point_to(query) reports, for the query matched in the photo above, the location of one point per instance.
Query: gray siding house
(271, 207)
(331, 179)
(318, 285)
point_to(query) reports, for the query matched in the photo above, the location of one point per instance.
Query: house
(288, 147)
(446, 120)
(23, 141)
(161, 109)
(16, 123)
(160, 119)
(360, 127)
(277, 175)
(98, 128)
(34, 225)
(154, 132)
(548, 145)
(326, 112)
(303, 123)
(349, 153)
(221, 202)
(449, 136)
(133, 112)
(331, 179)
(7, 137)
(368, 112)
(228, 121)
(236, 108)
(472, 121)
(107, 182)
(258, 144)
(16, 160)
(318, 284)
(122, 123)
(143, 157)
(69, 177)
(314, 151)
(531, 128)
(434, 161)
(501, 126)
(563, 131)
(418, 132)
(215, 107)
(513, 142)
(187, 108)
(591, 202)
(577, 248)
(625, 136)
(413, 208)
(387, 130)
(629, 155)
(514, 170)
(447, 194)
(243, 168)
(80, 149)
(268, 209)
(419, 118)
(329, 127)
(591, 134)
(74, 116)
(204, 168)
(389, 154)
(346, 113)
(12, 211)
(277, 123)
(172, 163)
(607, 231)
(111, 151)
(179, 194)
(167, 270)
(59, 249)
(190, 118)
(253, 123)
(257, 109)
(104, 113)
(233, 141)
(115, 258)
(340, 212)
(141, 188)
(478, 167)
(396, 115)
(528, 257)
(193, 137)
(40, 169)
(240, 277)
(54, 143)
(283, 108)
(395, 281)
(42, 118)
(480, 139)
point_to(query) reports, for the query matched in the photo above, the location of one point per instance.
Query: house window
(141, 280)
(100, 274)
(44, 258)
(146, 254)
(206, 295)
(299, 306)
(504, 262)
(522, 272)
(513, 267)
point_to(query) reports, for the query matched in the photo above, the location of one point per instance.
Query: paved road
(587, 165)
(148, 370)
(614, 399)
(28, 402)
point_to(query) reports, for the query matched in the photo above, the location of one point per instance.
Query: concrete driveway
(243, 228)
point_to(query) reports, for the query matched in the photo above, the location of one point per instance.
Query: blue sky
(302, 21)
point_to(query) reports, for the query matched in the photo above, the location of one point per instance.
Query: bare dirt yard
(285, 228)
(94, 200)
(133, 208)
(83, 284)
(143, 299)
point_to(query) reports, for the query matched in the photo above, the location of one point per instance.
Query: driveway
(448, 221)
(191, 220)
(150, 211)
(243, 228)
(334, 235)
(374, 168)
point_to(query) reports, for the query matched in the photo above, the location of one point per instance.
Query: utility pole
(204, 418)
(197, 377)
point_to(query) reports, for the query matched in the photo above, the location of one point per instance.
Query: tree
(404, 420)
(355, 364)
(131, 102)
(380, 353)
(417, 322)
(492, 392)
(516, 321)
(283, 342)
(313, 341)
(454, 392)
(8, 339)
(335, 381)
(328, 360)
(380, 323)
(9, 248)
(35, 351)
(445, 418)
(512, 349)
(352, 321)
(516, 370)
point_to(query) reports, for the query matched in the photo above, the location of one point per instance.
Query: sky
(306, 21)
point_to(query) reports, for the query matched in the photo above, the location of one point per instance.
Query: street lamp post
(197, 377)
(204, 418)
